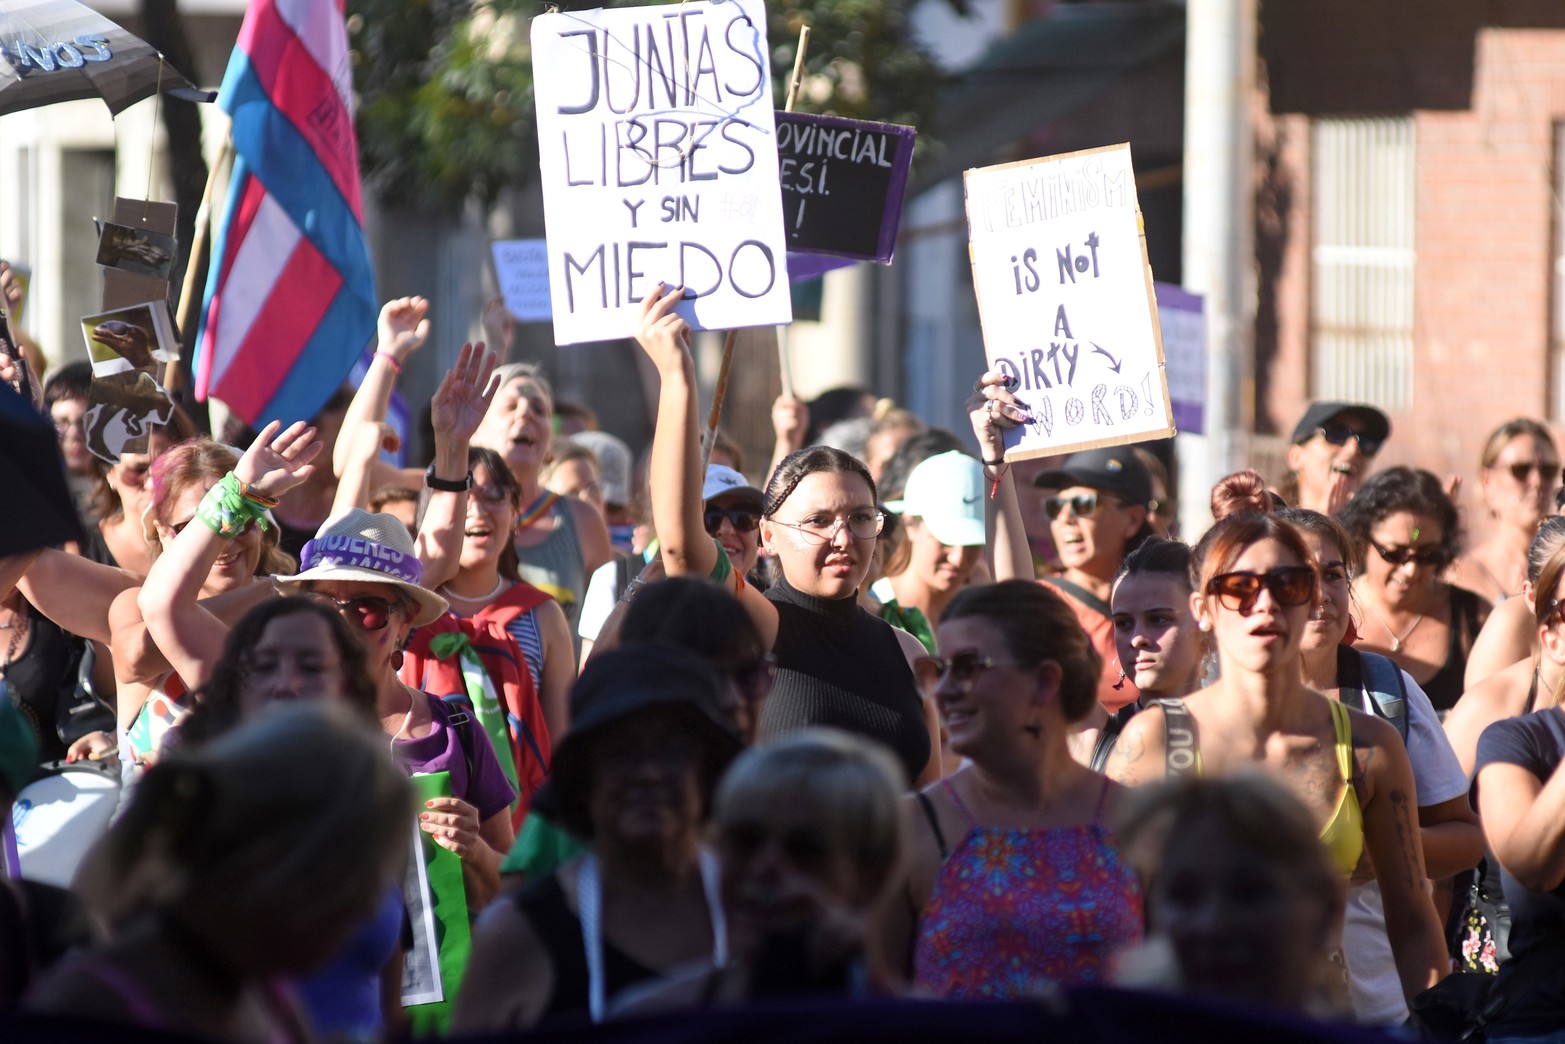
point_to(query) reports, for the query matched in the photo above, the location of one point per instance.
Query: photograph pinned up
(128, 339)
(137, 250)
(122, 409)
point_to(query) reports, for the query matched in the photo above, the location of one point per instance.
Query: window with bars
(1361, 286)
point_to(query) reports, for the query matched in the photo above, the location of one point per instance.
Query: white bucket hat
(373, 548)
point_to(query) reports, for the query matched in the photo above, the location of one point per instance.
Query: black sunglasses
(1339, 434)
(1521, 471)
(964, 668)
(1082, 505)
(743, 521)
(1436, 557)
(1293, 586)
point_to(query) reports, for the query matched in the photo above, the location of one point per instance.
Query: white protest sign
(658, 152)
(522, 270)
(1065, 299)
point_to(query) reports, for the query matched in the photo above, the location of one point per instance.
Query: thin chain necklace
(499, 586)
(1396, 639)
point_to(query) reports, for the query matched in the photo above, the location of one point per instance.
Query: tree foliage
(446, 101)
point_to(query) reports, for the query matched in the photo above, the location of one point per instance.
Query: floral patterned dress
(1014, 910)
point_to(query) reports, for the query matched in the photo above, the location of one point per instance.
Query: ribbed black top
(838, 665)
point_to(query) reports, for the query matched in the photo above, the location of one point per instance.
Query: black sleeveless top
(1445, 687)
(838, 665)
(559, 929)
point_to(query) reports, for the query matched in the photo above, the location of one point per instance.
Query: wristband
(227, 511)
(391, 361)
(248, 492)
(1000, 463)
(461, 485)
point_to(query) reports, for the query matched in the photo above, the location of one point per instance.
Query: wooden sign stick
(187, 306)
(720, 390)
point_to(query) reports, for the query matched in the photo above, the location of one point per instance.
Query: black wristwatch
(461, 485)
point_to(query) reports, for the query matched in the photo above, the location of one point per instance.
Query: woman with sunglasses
(1255, 588)
(1518, 473)
(836, 663)
(1334, 445)
(1406, 531)
(1015, 879)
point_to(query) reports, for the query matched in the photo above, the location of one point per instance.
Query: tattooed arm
(1138, 754)
(1391, 838)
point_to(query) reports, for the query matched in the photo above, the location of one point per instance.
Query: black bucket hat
(619, 684)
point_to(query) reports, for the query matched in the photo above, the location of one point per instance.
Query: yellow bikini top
(1343, 834)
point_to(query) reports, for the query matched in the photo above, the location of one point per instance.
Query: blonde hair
(301, 806)
(850, 787)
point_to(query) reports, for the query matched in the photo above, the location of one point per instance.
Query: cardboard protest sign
(522, 269)
(1182, 319)
(1065, 299)
(842, 182)
(659, 161)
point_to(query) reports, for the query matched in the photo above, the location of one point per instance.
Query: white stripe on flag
(319, 26)
(266, 249)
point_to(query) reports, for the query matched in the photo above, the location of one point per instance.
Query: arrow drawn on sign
(1098, 349)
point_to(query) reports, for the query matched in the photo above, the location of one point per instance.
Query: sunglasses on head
(1522, 470)
(369, 612)
(1339, 434)
(1400, 556)
(742, 520)
(1292, 586)
(1082, 505)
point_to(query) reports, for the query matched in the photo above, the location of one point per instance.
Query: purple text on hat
(362, 554)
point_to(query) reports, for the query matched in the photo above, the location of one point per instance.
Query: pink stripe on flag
(234, 237)
(306, 95)
(305, 287)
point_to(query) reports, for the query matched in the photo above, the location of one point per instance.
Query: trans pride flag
(290, 297)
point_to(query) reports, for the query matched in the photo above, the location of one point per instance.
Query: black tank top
(1445, 687)
(838, 665)
(559, 929)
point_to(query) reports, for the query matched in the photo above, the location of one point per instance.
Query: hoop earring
(1122, 676)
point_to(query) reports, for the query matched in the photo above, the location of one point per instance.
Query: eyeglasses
(369, 612)
(1339, 434)
(743, 521)
(964, 668)
(493, 496)
(1293, 586)
(1521, 471)
(63, 426)
(821, 529)
(1082, 505)
(755, 679)
(1436, 557)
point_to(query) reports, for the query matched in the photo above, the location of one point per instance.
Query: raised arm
(790, 420)
(400, 331)
(459, 405)
(188, 634)
(359, 445)
(993, 410)
(675, 481)
(73, 592)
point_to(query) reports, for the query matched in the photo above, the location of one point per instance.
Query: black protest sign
(842, 184)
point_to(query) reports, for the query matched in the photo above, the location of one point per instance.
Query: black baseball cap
(1113, 470)
(1374, 424)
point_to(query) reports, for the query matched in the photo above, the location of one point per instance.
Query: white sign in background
(658, 152)
(522, 270)
(1065, 298)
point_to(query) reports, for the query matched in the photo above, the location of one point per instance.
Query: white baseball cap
(947, 492)
(721, 479)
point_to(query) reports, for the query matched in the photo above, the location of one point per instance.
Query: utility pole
(1219, 240)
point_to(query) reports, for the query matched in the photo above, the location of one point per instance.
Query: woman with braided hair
(837, 664)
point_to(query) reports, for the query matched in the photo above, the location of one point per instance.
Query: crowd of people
(545, 732)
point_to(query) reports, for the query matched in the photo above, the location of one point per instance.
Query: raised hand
(790, 420)
(402, 326)
(10, 289)
(499, 325)
(993, 410)
(275, 463)
(465, 393)
(663, 333)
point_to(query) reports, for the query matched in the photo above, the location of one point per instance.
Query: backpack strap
(1081, 594)
(1181, 751)
(934, 822)
(1379, 679)
(1109, 735)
